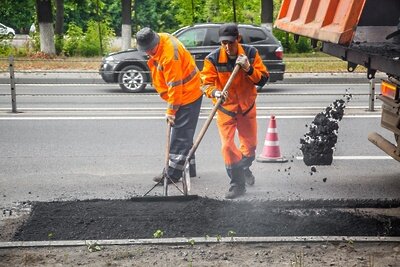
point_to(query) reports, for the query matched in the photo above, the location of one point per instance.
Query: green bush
(73, 38)
(59, 43)
(5, 47)
(303, 45)
(21, 51)
(289, 44)
(88, 44)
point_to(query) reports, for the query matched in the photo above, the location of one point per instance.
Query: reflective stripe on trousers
(182, 137)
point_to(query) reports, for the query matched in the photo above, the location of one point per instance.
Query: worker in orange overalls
(238, 109)
(177, 80)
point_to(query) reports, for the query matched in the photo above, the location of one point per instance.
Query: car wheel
(10, 36)
(132, 79)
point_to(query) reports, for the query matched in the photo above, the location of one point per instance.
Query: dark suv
(129, 68)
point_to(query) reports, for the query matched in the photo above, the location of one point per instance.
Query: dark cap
(228, 32)
(146, 39)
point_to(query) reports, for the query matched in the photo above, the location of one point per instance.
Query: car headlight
(109, 59)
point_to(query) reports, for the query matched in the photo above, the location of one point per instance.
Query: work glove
(170, 119)
(219, 94)
(243, 61)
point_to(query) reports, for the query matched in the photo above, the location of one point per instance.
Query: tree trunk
(234, 10)
(267, 13)
(59, 29)
(126, 31)
(47, 44)
(45, 19)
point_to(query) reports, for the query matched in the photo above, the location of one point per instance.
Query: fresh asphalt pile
(318, 144)
(202, 217)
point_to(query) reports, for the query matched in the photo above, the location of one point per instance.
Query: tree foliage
(18, 15)
(161, 15)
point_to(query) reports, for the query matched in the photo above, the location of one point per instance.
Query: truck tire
(132, 79)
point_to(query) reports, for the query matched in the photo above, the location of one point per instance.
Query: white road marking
(163, 108)
(356, 157)
(16, 117)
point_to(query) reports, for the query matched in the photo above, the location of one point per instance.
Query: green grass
(316, 62)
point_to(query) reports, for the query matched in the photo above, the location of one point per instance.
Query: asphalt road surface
(91, 142)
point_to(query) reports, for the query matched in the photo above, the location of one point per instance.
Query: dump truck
(363, 33)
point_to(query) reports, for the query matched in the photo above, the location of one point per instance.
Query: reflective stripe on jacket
(242, 92)
(174, 73)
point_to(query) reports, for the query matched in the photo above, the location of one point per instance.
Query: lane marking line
(11, 117)
(356, 157)
(161, 108)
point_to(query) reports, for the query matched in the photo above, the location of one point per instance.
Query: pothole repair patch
(129, 219)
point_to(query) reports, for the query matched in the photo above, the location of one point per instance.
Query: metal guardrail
(13, 72)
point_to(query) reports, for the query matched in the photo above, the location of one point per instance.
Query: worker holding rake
(177, 80)
(238, 109)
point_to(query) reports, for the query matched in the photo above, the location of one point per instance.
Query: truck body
(361, 32)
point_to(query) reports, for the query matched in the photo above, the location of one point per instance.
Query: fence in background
(17, 71)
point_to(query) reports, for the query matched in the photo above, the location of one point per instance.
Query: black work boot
(248, 176)
(235, 191)
(238, 185)
(159, 179)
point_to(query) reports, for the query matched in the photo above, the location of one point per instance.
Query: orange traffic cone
(271, 151)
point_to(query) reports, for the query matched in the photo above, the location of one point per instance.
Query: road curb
(199, 240)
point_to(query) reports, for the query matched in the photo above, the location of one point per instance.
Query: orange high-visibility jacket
(174, 73)
(242, 92)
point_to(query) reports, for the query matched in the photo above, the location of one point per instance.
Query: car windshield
(193, 37)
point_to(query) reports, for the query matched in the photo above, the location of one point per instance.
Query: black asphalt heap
(318, 144)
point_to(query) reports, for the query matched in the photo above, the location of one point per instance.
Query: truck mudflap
(390, 115)
(390, 120)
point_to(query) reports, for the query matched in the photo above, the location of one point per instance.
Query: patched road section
(202, 217)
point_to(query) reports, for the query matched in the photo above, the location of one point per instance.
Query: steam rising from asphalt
(318, 144)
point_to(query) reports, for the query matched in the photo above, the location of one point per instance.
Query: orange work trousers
(246, 126)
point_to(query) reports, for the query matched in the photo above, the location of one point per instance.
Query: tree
(240, 11)
(156, 14)
(126, 31)
(59, 28)
(267, 13)
(45, 19)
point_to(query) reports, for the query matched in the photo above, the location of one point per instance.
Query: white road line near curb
(161, 108)
(355, 157)
(17, 117)
(197, 240)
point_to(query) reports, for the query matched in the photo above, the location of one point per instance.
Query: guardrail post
(371, 95)
(12, 84)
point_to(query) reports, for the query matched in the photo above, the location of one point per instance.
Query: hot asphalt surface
(142, 218)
